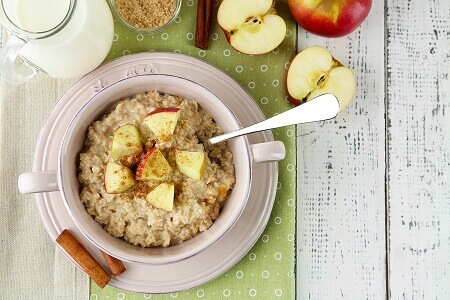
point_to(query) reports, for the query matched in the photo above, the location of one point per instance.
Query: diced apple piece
(314, 72)
(192, 164)
(126, 142)
(162, 122)
(153, 166)
(118, 178)
(162, 196)
(251, 26)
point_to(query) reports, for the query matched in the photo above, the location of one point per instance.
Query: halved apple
(192, 164)
(251, 26)
(126, 142)
(162, 122)
(153, 166)
(314, 72)
(118, 178)
(162, 196)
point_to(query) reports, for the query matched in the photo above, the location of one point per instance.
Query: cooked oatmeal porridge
(129, 214)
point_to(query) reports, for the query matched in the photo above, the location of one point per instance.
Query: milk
(35, 16)
(78, 48)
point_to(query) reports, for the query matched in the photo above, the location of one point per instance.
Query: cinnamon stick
(115, 265)
(86, 261)
(204, 13)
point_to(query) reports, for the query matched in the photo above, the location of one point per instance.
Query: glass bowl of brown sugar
(146, 16)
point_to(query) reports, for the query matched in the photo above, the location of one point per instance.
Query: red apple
(330, 18)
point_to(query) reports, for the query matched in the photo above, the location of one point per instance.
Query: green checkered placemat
(267, 271)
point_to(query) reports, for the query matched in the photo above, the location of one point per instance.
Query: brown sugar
(146, 13)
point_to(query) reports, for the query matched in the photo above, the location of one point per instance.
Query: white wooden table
(373, 216)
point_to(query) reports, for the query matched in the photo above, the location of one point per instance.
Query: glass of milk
(61, 38)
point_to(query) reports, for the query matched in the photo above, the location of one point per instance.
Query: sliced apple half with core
(192, 164)
(153, 166)
(162, 196)
(251, 26)
(314, 72)
(162, 122)
(126, 142)
(118, 178)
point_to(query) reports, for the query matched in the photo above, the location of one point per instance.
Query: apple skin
(163, 109)
(295, 102)
(347, 16)
(153, 166)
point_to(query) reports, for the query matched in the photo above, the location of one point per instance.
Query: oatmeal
(129, 213)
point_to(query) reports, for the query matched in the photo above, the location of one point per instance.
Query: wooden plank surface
(341, 172)
(418, 93)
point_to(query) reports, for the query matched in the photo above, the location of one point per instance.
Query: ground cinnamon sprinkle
(146, 13)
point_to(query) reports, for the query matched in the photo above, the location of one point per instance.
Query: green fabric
(267, 271)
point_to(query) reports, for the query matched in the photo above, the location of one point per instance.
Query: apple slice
(251, 26)
(314, 72)
(162, 196)
(118, 178)
(126, 142)
(162, 122)
(153, 166)
(192, 164)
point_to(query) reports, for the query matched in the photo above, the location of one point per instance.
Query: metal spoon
(321, 108)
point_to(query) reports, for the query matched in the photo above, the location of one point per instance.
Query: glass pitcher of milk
(62, 38)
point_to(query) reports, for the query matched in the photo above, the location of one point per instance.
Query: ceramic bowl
(65, 178)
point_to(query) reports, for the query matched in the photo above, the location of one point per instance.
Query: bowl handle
(267, 152)
(38, 182)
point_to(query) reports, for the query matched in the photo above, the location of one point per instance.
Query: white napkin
(32, 267)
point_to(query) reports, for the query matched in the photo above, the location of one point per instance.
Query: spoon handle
(321, 108)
